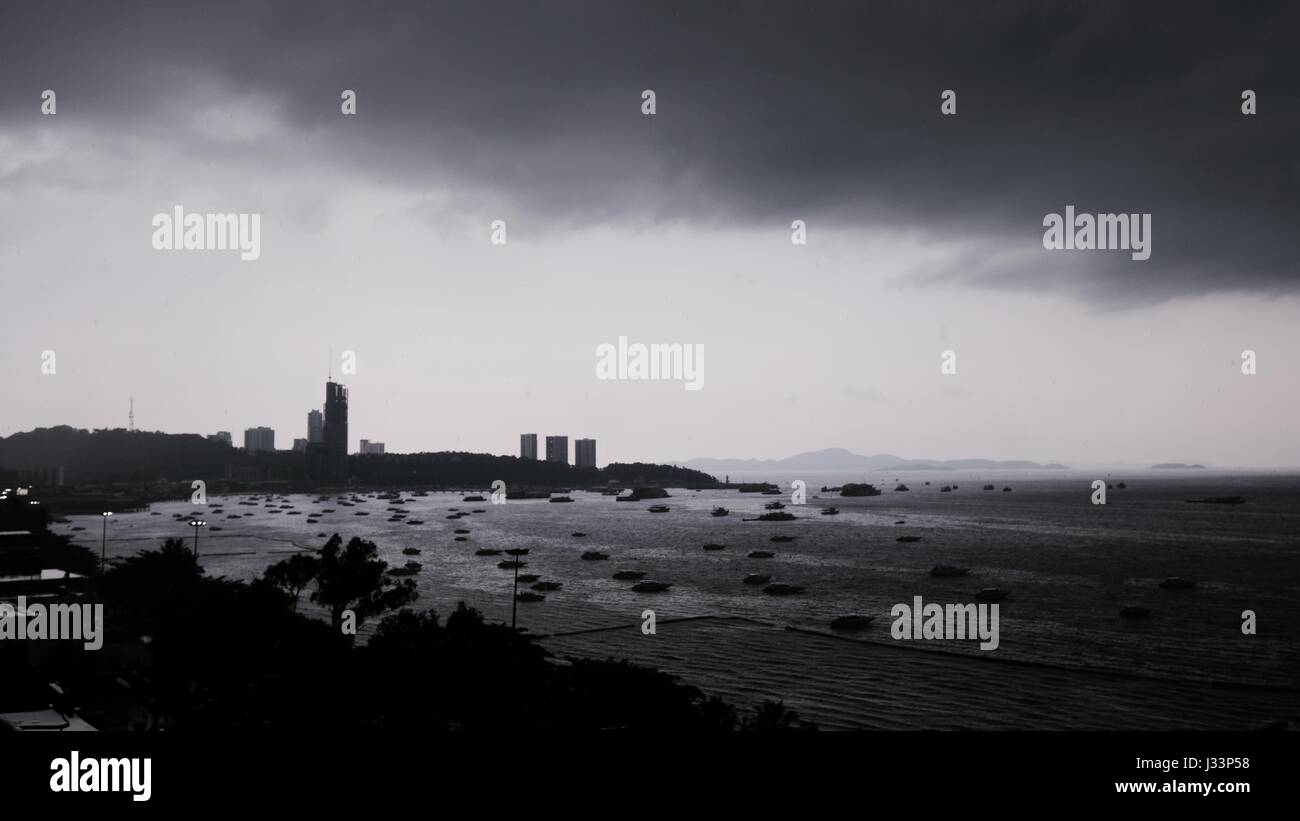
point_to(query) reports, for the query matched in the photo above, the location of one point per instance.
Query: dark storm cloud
(766, 112)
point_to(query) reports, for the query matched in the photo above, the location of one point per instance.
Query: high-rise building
(315, 426)
(557, 449)
(584, 453)
(256, 439)
(528, 446)
(299, 445)
(336, 431)
(368, 447)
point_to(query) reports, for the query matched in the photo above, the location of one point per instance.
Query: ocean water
(1065, 658)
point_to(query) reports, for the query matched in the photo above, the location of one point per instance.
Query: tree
(355, 578)
(293, 574)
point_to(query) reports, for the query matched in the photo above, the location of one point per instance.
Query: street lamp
(103, 543)
(196, 524)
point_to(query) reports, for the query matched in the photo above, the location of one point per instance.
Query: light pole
(196, 524)
(103, 542)
(515, 552)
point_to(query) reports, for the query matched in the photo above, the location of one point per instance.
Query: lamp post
(103, 542)
(196, 524)
(515, 552)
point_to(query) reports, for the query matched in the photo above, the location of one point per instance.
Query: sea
(1065, 659)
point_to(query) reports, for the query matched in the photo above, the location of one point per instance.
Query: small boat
(761, 554)
(720, 511)
(831, 511)
(462, 538)
(547, 586)
(461, 531)
(901, 522)
(1218, 500)
(780, 589)
(215, 529)
(946, 489)
(528, 578)
(579, 534)
(561, 499)
(774, 516)
(358, 513)
(909, 539)
(473, 499)
(453, 516)
(320, 536)
(415, 521)
(528, 595)
(948, 571)
(1177, 583)
(991, 594)
(511, 564)
(409, 569)
(327, 510)
(651, 587)
(854, 622)
(629, 575)
(989, 487)
(410, 551)
(782, 539)
(1006, 489)
(594, 556)
(1122, 485)
(902, 489)
(487, 551)
(1134, 611)
(712, 546)
(658, 508)
(479, 510)
(757, 578)
(774, 506)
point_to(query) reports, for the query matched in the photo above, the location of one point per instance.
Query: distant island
(1176, 466)
(839, 459)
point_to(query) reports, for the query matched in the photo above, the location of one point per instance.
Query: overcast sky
(924, 231)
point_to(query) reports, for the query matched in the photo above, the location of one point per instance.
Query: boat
(461, 531)
(528, 578)
(782, 539)
(720, 511)
(991, 594)
(831, 511)
(658, 508)
(1122, 485)
(415, 521)
(780, 589)
(462, 538)
(946, 489)
(909, 539)
(948, 571)
(1006, 489)
(578, 534)
(547, 585)
(410, 551)
(1134, 611)
(594, 556)
(358, 513)
(774, 516)
(408, 569)
(757, 578)
(761, 554)
(479, 510)
(989, 487)
(629, 575)
(473, 499)
(902, 489)
(774, 506)
(487, 551)
(651, 587)
(558, 499)
(1177, 583)
(712, 546)
(214, 529)
(528, 595)
(853, 622)
(320, 536)
(1218, 500)
(511, 564)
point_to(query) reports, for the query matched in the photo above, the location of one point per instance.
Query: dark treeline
(112, 456)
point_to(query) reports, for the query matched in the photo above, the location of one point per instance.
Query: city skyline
(924, 232)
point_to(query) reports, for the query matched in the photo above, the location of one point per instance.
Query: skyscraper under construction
(336, 432)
